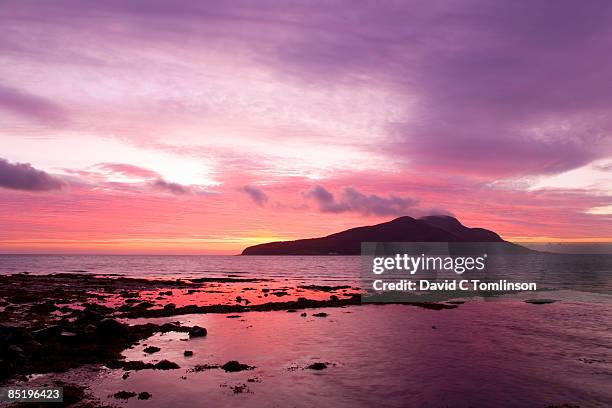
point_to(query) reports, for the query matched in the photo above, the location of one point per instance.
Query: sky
(204, 127)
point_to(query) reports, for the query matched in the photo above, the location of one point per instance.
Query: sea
(488, 352)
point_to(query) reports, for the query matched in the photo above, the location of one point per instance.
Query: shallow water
(483, 354)
(500, 352)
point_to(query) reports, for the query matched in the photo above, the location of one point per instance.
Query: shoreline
(81, 319)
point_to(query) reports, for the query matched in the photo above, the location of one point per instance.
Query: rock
(14, 349)
(71, 394)
(90, 329)
(238, 299)
(197, 331)
(540, 301)
(291, 310)
(47, 332)
(151, 349)
(333, 298)
(170, 307)
(45, 307)
(317, 366)
(234, 366)
(304, 314)
(144, 395)
(188, 353)
(111, 329)
(233, 316)
(145, 305)
(166, 365)
(125, 395)
(13, 334)
(322, 314)
(167, 293)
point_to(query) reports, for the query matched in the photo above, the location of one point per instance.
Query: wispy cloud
(257, 194)
(352, 200)
(31, 106)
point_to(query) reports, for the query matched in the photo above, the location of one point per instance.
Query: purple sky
(252, 120)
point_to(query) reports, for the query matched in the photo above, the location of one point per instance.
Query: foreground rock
(234, 366)
(197, 331)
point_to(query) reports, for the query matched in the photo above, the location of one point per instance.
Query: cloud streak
(257, 195)
(352, 200)
(31, 106)
(22, 176)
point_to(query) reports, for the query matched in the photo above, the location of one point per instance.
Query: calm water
(319, 268)
(483, 354)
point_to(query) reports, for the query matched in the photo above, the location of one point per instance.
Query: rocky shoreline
(58, 322)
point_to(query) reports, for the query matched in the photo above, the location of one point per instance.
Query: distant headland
(435, 228)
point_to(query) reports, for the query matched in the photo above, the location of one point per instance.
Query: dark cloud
(31, 106)
(257, 194)
(174, 188)
(22, 176)
(352, 200)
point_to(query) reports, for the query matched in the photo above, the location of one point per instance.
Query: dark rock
(317, 366)
(111, 329)
(234, 366)
(145, 305)
(197, 331)
(188, 353)
(204, 367)
(540, 301)
(322, 314)
(151, 349)
(124, 395)
(47, 332)
(291, 310)
(72, 393)
(333, 298)
(45, 307)
(166, 365)
(170, 306)
(144, 395)
(90, 329)
(233, 316)
(304, 314)
(14, 349)
(240, 388)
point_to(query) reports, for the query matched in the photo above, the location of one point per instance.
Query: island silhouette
(433, 228)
